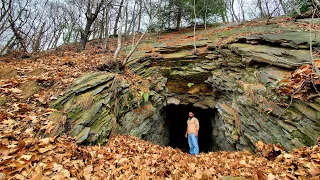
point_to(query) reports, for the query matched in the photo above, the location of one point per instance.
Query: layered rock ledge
(236, 81)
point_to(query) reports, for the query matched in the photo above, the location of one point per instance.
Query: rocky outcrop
(236, 80)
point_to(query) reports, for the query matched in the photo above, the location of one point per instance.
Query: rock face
(236, 81)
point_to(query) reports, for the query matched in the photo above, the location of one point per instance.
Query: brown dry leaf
(87, 172)
(314, 170)
(45, 141)
(26, 157)
(288, 156)
(243, 162)
(58, 177)
(45, 149)
(317, 62)
(4, 150)
(271, 177)
(57, 167)
(38, 174)
(259, 145)
(198, 174)
(29, 131)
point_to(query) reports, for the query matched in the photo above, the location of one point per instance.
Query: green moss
(302, 138)
(75, 112)
(104, 120)
(251, 80)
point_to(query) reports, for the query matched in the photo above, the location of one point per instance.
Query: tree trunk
(3, 50)
(132, 22)
(242, 10)
(91, 17)
(36, 45)
(70, 30)
(140, 15)
(179, 15)
(283, 7)
(268, 14)
(102, 24)
(18, 36)
(125, 24)
(205, 16)
(222, 14)
(105, 46)
(116, 53)
(117, 19)
(317, 3)
(54, 45)
(262, 14)
(85, 34)
(233, 11)
(194, 27)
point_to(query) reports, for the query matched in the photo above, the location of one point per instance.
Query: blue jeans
(193, 144)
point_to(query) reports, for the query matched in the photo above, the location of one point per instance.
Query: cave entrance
(176, 117)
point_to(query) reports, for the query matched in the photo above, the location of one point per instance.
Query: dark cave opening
(176, 117)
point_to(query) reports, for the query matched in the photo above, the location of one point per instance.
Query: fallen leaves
(300, 84)
(129, 157)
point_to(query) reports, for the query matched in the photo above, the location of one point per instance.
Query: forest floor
(28, 85)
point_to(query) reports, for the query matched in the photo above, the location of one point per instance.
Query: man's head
(191, 115)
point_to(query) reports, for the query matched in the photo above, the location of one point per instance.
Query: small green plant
(145, 97)
(235, 132)
(284, 97)
(190, 84)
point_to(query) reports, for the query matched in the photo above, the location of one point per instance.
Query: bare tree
(317, 3)
(91, 15)
(284, 8)
(230, 5)
(140, 15)
(117, 18)
(105, 45)
(17, 19)
(241, 4)
(116, 53)
(260, 6)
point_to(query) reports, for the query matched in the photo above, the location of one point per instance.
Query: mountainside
(248, 83)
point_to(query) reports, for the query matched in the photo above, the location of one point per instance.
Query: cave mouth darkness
(176, 117)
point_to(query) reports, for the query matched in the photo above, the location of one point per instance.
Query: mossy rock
(302, 138)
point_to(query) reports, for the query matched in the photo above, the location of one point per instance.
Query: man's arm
(196, 121)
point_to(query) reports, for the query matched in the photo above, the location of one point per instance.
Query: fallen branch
(311, 52)
(291, 98)
(133, 49)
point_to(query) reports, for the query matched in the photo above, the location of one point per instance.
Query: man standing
(192, 134)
